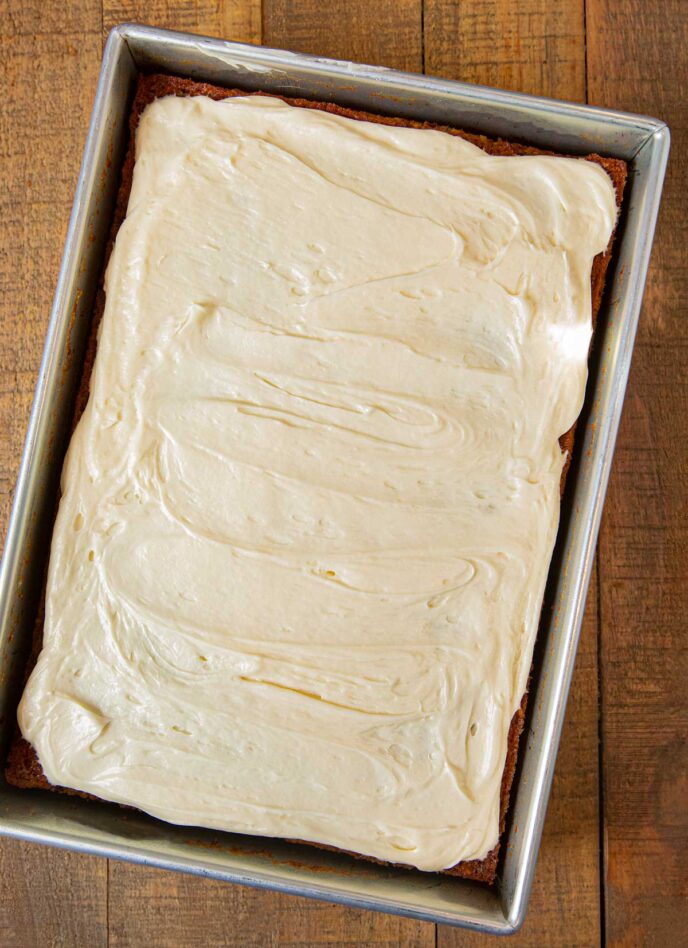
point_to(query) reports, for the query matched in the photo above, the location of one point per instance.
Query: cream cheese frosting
(308, 512)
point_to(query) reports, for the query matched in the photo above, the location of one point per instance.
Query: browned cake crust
(23, 768)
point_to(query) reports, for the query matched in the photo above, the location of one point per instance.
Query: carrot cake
(308, 512)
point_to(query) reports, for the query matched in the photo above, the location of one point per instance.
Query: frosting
(308, 513)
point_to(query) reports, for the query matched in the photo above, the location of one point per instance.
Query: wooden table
(612, 866)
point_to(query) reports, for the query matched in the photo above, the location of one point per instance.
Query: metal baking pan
(107, 830)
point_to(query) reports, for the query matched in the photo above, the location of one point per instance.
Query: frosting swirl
(308, 512)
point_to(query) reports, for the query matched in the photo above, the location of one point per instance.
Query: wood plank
(386, 33)
(637, 61)
(535, 46)
(538, 47)
(160, 909)
(147, 906)
(238, 20)
(48, 72)
(51, 897)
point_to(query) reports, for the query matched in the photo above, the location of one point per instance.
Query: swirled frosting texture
(308, 513)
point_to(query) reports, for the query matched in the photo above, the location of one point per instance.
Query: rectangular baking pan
(107, 830)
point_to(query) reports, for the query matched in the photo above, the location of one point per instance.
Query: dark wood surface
(637, 60)
(612, 866)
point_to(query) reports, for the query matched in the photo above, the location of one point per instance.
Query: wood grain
(51, 897)
(535, 46)
(387, 32)
(161, 909)
(637, 61)
(539, 47)
(48, 70)
(238, 20)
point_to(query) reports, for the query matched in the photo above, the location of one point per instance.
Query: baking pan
(107, 830)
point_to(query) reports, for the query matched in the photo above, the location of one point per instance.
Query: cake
(308, 512)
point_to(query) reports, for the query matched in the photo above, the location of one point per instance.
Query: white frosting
(308, 513)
